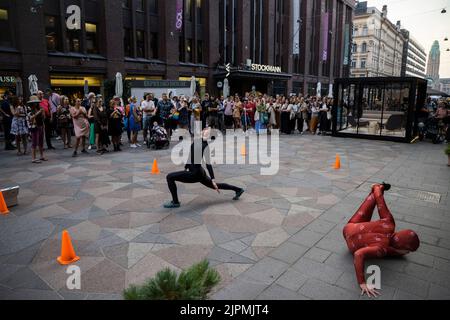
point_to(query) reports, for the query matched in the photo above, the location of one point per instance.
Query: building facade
(434, 63)
(414, 57)
(445, 85)
(278, 46)
(377, 49)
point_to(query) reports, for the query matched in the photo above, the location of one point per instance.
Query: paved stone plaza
(283, 240)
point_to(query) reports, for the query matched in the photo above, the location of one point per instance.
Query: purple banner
(179, 17)
(325, 32)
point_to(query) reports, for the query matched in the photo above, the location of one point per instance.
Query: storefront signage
(265, 68)
(179, 15)
(7, 80)
(73, 21)
(160, 84)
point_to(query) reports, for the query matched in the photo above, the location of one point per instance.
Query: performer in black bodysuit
(194, 172)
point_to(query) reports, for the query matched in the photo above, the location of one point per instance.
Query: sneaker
(171, 205)
(133, 146)
(75, 154)
(58, 138)
(84, 151)
(90, 148)
(138, 145)
(238, 194)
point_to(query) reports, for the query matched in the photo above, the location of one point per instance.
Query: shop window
(154, 45)
(140, 44)
(5, 35)
(53, 33)
(200, 51)
(91, 38)
(127, 39)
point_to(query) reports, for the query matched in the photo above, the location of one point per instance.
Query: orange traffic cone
(337, 164)
(243, 151)
(68, 255)
(155, 169)
(3, 206)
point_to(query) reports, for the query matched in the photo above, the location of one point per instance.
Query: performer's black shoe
(171, 205)
(387, 186)
(238, 194)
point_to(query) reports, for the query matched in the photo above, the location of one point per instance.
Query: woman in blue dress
(135, 122)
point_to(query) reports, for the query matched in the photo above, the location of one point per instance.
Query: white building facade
(414, 57)
(378, 44)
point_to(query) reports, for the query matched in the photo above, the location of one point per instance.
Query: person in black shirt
(195, 173)
(206, 105)
(7, 116)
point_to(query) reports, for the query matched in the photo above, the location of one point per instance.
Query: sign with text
(73, 21)
(325, 32)
(266, 68)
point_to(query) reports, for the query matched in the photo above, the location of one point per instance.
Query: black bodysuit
(195, 173)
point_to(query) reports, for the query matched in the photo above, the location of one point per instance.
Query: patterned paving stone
(283, 239)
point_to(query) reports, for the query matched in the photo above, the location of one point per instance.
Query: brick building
(276, 46)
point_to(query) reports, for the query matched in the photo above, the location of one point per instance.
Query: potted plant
(447, 152)
(194, 283)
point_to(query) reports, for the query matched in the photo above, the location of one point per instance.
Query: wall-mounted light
(444, 11)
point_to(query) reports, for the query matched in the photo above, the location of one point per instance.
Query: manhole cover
(429, 196)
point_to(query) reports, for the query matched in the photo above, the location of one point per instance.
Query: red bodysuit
(375, 239)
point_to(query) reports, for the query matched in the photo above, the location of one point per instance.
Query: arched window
(354, 48)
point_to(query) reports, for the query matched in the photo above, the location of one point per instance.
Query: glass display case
(378, 108)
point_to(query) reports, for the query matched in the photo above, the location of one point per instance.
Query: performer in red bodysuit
(376, 239)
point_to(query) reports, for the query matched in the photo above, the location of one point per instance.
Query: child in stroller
(159, 138)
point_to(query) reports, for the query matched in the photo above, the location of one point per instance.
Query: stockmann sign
(266, 68)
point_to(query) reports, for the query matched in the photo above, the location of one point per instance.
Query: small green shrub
(192, 284)
(447, 150)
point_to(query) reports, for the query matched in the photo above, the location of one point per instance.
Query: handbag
(176, 116)
(265, 118)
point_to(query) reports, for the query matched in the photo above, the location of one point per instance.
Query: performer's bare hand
(215, 186)
(371, 293)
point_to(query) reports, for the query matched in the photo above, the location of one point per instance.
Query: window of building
(153, 6)
(140, 44)
(365, 31)
(52, 33)
(91, 38)
(200, 51)
(189, 51)
(154, 45)
(364, 47)
(355, 31)
(126, 4)
(353, 63)
(73, 40)
(140, 5)
(363, 64)
(188, 9)
(354, 48)
(127, 43)
(5, 35)
(199, 11)
(181, 50)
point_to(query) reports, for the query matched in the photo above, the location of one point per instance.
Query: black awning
(246, 74)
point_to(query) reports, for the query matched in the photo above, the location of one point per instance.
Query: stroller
(159, 138)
